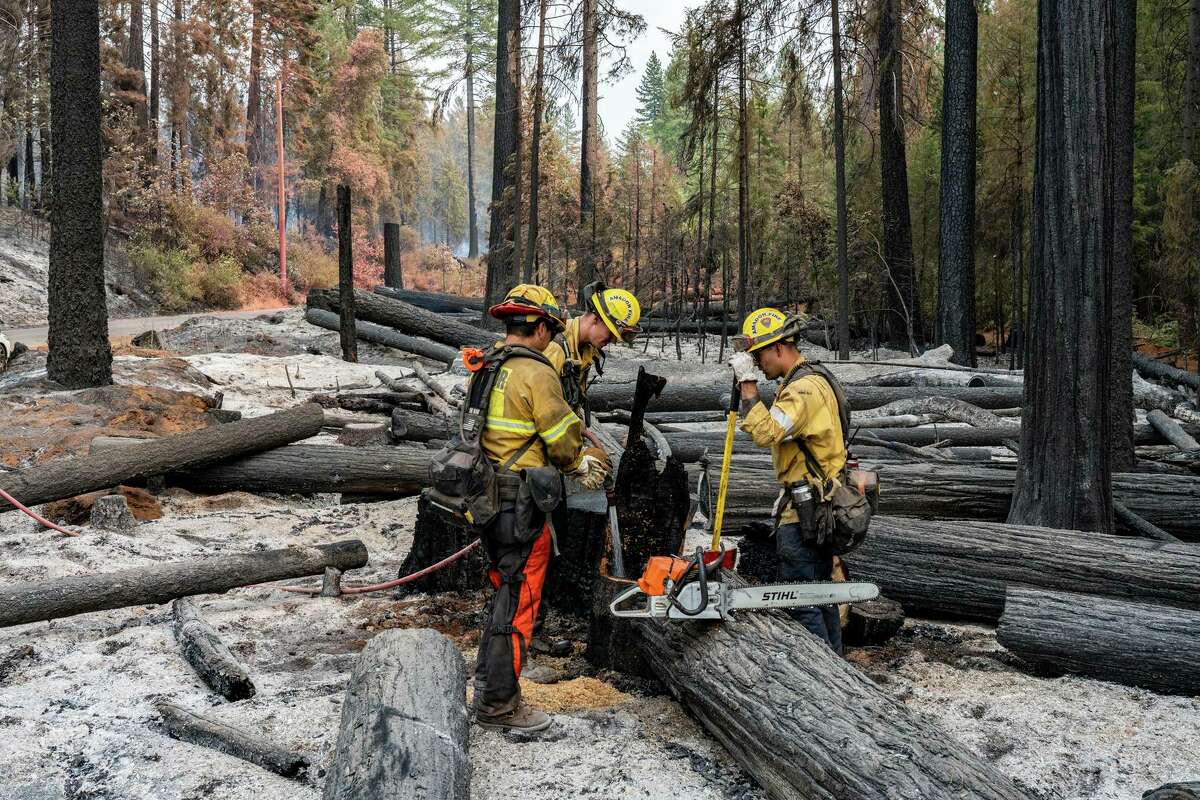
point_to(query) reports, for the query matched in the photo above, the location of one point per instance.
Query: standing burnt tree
(1064, 476)
(1121, 413)
(504, 238)
(956, 236)
(80, 355)
(901, 320)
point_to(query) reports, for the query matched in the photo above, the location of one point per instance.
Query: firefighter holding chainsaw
(532, 436)
(804, 428)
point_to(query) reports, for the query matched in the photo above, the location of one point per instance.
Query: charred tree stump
(161, 583)
(652, 512)
(56, 480)
(403, 732)
(188, 726)
(570, 581)
(436, 538)
(208, 655)
(1137, 644)
(804, 722)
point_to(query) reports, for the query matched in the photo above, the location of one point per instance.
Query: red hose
(379, 587)
(45, 523)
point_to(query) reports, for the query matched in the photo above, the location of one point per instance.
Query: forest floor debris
(77, 695)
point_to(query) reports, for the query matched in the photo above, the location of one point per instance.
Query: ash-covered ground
(77, 695)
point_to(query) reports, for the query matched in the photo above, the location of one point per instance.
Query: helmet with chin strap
(527, 302)
(618, 309)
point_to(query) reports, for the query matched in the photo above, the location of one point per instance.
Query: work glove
(600, 455)
(591, 471)
(744, 368)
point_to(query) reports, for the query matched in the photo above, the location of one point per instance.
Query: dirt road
(32, 337)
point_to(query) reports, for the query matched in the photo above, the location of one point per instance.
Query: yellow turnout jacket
(805, 408)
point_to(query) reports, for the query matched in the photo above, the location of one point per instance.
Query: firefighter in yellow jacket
(610, 315)
(803, 429)
(528, 426)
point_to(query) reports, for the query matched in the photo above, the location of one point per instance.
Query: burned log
(1172, 431)
(1133, 643)
(936, 491)
(432, 301)
(1156, 370)
(163, 582)
(918, 376)
(415, 426)
(960, 570)
(188, 726)
(1188, 790)
(312, 468)
(403, 732)
(388, 337)
(614, 392)
(804, 722)
(406, 318)
(56, 480)
(208, 655)
(691, 446)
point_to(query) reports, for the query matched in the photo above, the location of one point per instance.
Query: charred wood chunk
(434, 539)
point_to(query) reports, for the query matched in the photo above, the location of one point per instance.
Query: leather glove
(744, 368)
(600, 455)
(591, 472)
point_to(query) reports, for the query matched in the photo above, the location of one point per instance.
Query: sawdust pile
(578, 694)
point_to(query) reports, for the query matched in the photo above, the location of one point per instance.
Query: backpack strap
(515, 457)
(839, 394)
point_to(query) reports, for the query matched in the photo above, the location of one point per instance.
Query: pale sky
(618, 102)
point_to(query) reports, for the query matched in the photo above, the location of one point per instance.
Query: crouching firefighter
(823, 509)
(502, 477)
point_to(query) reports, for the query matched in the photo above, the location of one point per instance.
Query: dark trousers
(517, 572)
(801, 561)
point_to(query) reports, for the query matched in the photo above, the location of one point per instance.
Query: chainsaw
(690, 589)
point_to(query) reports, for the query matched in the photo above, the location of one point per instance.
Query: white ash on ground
(25, 274)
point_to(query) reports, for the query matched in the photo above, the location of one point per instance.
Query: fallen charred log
(415, 426)
(56, 480)
(208, 655)
(163, 582)
(936, 491)
(1156, 370)
(188, 726)
(803, 721)
(403, 732)
(313, 468)
(432, 301)
(388, 337)
(960, 570)
(1137, 644)
(405, 318)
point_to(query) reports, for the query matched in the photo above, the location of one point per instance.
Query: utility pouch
(540, 492)
(850, 514)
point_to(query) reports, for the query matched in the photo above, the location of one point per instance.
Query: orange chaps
(517, 571)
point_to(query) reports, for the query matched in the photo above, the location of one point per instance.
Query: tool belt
(531, 494)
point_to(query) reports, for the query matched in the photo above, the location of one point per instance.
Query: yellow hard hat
(764, 327)
(617, 308)
(529, 303)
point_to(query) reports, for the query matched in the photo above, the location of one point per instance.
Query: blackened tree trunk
(80, 355)
(393, 274)
(1016, 348)
(839, 148)
(154, 86)
(135, 57)
(1121, 271)
(590, 144)
(743, 170)
(506, 164)
(254, 89)
(535, 145)
(472, 210)
(1191, 92)
(349, 337)
(1064, 476)
(956, 238)
(902, 318)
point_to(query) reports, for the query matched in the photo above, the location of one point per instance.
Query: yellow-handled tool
(730, 428)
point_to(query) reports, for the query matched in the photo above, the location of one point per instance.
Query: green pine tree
(651, 94)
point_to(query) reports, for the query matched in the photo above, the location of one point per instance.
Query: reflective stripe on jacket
(527, 400)
(807, 407)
